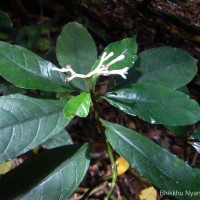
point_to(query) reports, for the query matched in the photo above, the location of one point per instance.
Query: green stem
(109, 149)
(114, 171)
(95, 185)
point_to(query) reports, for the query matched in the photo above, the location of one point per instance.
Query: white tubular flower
(121, 72)
(67, 69)
(108, 56)
(121, 57)
(59, 70)
(101, 69)
(104, 58)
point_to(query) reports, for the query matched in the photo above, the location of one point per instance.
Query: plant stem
(109, 148)
(95, 185)
(114, 171)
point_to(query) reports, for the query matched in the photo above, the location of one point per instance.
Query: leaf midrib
(64, 164)
(116, 99)
(32, 72)
(138, 150)
(31, 119)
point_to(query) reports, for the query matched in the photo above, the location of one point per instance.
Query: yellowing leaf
(36, 149)
(122, 165)
(197, 38)
(148, 194)
(174, 31)
(45, 32)
(5, 167)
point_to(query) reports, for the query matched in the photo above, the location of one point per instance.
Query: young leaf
(155, 104)
(61, 139)
(25, 69)
(163, 169)
(76, 47)
(53, 174)
(168, 66)
(78, 106)
(27, 122)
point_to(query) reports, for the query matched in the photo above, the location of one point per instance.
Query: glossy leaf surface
(53, 174)
(168, 66)
(25, 69)
(155, 104)
(78, 106)
(76, 47)
(60, 139)
(196, 136)
(163, 169)
(27, 122)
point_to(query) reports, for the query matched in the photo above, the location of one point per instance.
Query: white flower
(101, 69)
(121, 72)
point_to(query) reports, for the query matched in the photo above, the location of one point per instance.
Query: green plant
(145, 85)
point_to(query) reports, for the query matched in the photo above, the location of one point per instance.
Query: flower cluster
(101, 69)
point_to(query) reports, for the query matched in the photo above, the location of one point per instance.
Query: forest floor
(156, 23)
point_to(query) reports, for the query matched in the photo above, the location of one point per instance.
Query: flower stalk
(101, 69)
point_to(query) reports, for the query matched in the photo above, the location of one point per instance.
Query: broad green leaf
(132, 77)
(25, 69)
(5, 20)
(61, 139)
(7, 88)
(27, 122)
(155, 104)
(78, 106)
(179, 130)
(196, 136)
(118, 82)
(184, 90)
(163, 169)
(76, 47)
(53, 174)
(168, 66)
